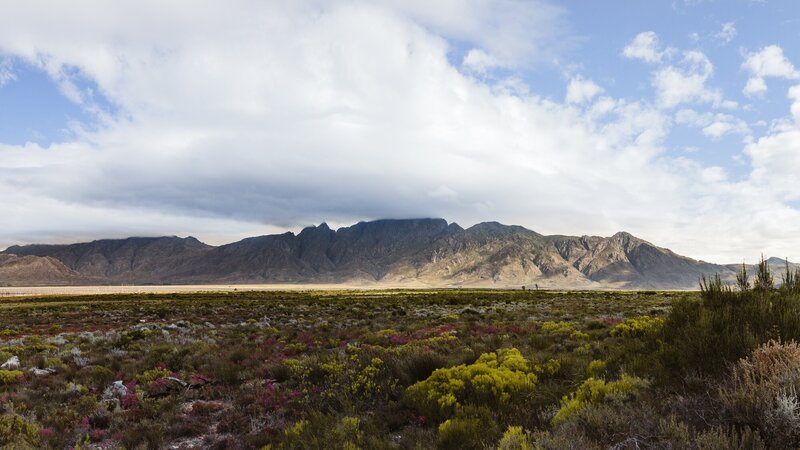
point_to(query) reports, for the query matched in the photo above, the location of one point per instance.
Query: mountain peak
(774, 260)
(623, 235)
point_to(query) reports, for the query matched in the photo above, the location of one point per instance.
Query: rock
(80, 361)
(179, 381)
(116, 390)
(42, 372)
(11, 364)
(57, 340)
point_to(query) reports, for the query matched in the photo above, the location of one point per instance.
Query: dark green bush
(724, 325)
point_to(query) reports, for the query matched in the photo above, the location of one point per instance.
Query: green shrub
(596, 368)
(594, 391)
(326, 431)
(558, 327)
(418, 366)
(761, 393)
(10, 376)
(371, 380)
(148, 376)
(515, 438)
(473, 427)
(724, 327)
(491, 380)
(459, 434)
(100, 375)
(16, 432)
(638, 326)
(719, 439)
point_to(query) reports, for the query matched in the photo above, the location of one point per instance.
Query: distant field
(33, 291)
(172, 289)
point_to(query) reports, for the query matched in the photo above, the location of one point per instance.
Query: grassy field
(41, 291)
(366, 369)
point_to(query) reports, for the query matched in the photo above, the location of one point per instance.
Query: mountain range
(402, 253)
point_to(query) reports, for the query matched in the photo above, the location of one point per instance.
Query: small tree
(742, 279)
(791, 279)
(763, 281)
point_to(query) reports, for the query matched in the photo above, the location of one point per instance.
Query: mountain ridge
(413, 252)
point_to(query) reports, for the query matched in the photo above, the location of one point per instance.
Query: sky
(675, 120)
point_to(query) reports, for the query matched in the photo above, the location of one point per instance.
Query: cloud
(727, 33)
(767, 62)
(355, 113)
(6, 71)
(509, 33)
(794, 96)
(714, 126)
(646, 47)
(580, 90)
(480, 62)
(686, 83)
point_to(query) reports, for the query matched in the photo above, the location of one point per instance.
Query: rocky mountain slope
(36, 271)
(415, 252)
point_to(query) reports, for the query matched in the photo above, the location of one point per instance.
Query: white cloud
(686, 83)
(713, 125)
(794, 96)
(6, 71)
(480, 62)
(646, 46)
(767, 62)
(755, 86)
(775, 160)
(354, 113)
(513, 33)
(727, 33)
(581, 90)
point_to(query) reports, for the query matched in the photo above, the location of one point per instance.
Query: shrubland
(454, 369)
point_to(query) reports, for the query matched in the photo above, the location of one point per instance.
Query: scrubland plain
(453, 369)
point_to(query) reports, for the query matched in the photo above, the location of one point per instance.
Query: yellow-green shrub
(349, 431)
(578, 335)
(637, 326)
(10, 376)
(550, 368)
(323, 431)
(558, 327)
(16, 432)
(515, 438)
(296, 430)
(148, 376)
(372, 380)
(596, 368)
(460, 434)
(594, 391)
(491, 380)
